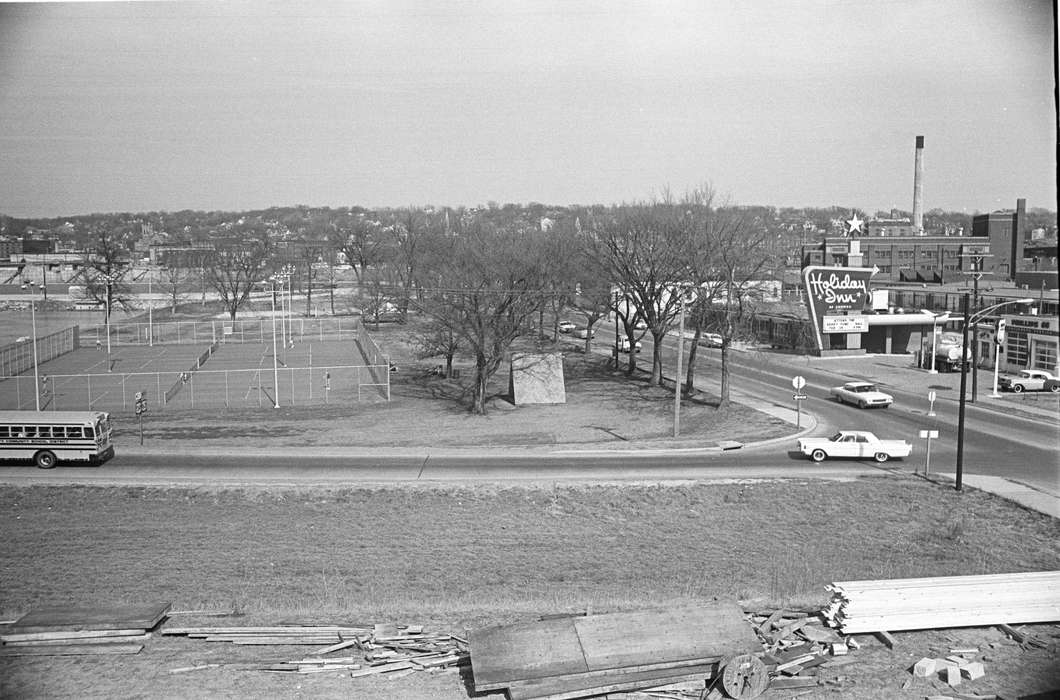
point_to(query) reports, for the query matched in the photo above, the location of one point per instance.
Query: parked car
(641, 324)
(566, 326)
(862, 395)
(1025, 380)
(711, 340)
(584, 333)
(623, 345)
(1052, 385)
(853, 444)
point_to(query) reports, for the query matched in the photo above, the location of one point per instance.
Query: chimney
(1016, 251)
(918, 187)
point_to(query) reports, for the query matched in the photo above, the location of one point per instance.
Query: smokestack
(918, 187)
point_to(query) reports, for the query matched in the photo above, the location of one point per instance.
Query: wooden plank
(259, 631)
(500, 655)
(78, 617)
(68, 634)
(657, 636)
(129, 639)
(72, 650)
(619, 680)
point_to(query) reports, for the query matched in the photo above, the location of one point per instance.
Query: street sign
(798, 382)
(925, 434)
(141, 403)
(799, 397)
(1000, 339)
(932, 396)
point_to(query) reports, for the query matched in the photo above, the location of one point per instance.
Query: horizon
(138, 107)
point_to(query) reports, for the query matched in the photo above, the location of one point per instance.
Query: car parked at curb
(711, 340)
(862, 395)
(1025, 380)
(566, 326)
(584, 333)
(1052, 385)
(623, 345)
(853, 444)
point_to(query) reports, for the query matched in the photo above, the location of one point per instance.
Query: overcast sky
(169, 106)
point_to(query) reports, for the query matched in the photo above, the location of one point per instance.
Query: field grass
(455, 558)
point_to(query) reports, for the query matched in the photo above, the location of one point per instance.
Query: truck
(853, 444)
(950, 353)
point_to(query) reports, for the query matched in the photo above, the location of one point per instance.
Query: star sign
(855, 224)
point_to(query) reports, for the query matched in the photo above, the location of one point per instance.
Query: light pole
(999, 338)
(935, 318)
(964, 373)
(275, 368)
(26, 284)
(150, 310)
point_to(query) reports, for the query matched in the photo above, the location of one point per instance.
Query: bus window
(18, 431)
(44, 431)
(90, 433)
(73, 431)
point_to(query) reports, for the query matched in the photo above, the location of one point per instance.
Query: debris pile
(394, 650)
(76, 630)
(797, 645)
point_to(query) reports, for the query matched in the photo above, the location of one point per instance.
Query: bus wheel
(44, 459)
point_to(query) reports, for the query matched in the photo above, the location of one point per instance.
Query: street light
(935, 318)
(26, 284)
(275, 367)
(964, 372)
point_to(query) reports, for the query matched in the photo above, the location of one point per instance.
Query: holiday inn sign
(832, 292)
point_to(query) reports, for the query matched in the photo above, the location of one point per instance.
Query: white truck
(853, 444)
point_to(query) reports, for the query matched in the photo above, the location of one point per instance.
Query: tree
(176, 281)
(238, 264)
(104, 268)
(360, 239)
(491, 281)
(646, 250)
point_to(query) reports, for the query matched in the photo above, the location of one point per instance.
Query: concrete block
(925, 667)
(973, 670)
(951, 674)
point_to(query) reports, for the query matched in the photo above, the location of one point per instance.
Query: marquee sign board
(832, 290)
(844, 324)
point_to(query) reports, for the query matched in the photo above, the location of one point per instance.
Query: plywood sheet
(658, 636)
(83, 617)
(500, 655)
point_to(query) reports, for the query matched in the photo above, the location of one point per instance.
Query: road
(998, 444)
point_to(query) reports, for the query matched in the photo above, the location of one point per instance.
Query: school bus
(48, 437)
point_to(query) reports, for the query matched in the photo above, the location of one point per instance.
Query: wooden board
(565, 689)
(573, 647)
(500, 655)
(73, 650)
(78, 617)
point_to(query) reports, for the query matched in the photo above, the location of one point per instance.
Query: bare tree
(104, 268)
(646, 250)
(491, 280)
(238, 263)
(360, 240)
(176, 281)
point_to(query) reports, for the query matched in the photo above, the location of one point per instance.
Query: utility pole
(976, 272)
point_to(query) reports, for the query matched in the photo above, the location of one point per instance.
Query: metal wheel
(1017, 388)
(44, 459)
(744, 677)
(818, 455)
(1055, 388)
(881, 457)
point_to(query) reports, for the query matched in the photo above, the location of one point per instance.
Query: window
(1016, 348)
(44, 431)
(1044, 355)
(4, 431)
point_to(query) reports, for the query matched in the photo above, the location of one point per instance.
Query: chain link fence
(200, 388)
(17, 357)
(250, 330)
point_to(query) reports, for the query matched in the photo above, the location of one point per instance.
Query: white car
(566, 326)
(854, 444)
(711, 340)
(623, 345)
(584, 333)
(862, 395)
(1026, 380)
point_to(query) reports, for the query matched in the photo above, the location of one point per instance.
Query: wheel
(44, 459)
(881, 457)
(1055, 388)
(1017, 388)
(744, 677)
(818, 455)
(861, 404)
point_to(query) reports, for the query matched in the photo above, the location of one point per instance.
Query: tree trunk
(724, 395)
(449, 365)
(478, 402)
(690, 373)
(656, 359)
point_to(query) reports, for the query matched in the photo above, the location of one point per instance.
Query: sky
(158, 106)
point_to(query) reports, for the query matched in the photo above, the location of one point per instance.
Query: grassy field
(462, 558)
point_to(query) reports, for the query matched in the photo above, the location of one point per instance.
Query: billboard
(832, 292)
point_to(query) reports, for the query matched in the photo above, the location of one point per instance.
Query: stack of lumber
(574, 657)
(70, 630)
(394, 650)
(945, 601)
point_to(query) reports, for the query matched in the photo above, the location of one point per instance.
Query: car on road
(623, 345)
(584, 333)
(862, 395)
(1025, 380)
(711, 340)
(853, 444)
(566, 326)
